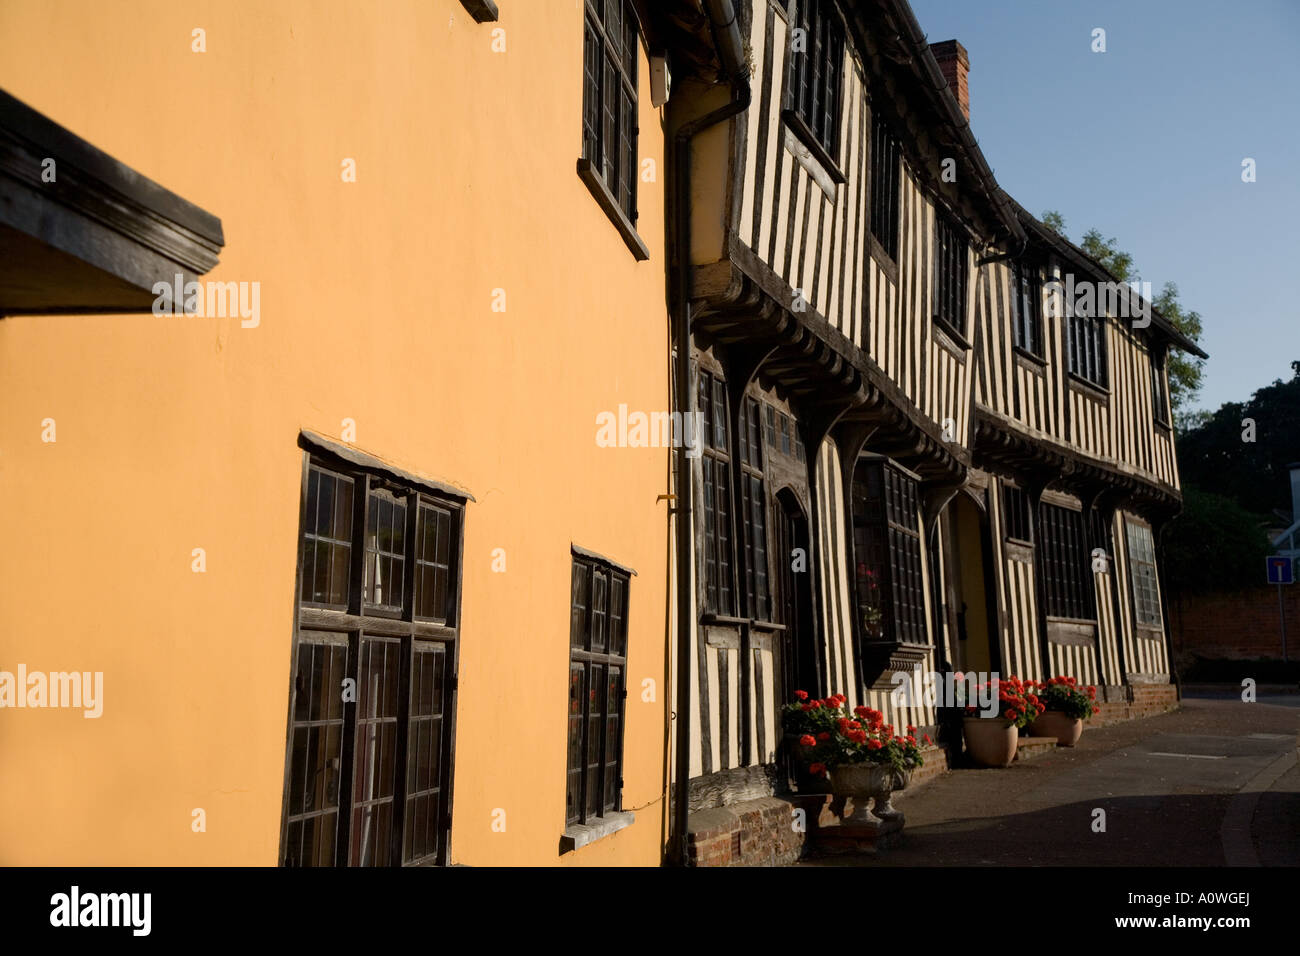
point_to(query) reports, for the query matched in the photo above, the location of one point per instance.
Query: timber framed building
(918, 455)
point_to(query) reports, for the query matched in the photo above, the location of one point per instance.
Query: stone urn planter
(991, 741)
(1053, 723)
(874, 783)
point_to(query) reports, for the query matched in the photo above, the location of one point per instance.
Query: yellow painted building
(444, 301)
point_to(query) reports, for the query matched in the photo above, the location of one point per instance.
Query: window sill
(608, 203)
(1073, 632)
(712, 617)
(1027, 357)
(483, 11)
(578, 835)
(884, 259)
(817, 152)
(1091, 389)
(1164, 427)
(879, 659)
(956, 343)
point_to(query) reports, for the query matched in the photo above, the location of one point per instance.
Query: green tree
(1186, 372)
(1214, 545)
(1054, 221)
(1215, 457)
(1107, 252)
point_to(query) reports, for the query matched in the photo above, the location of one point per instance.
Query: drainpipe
(731, 53)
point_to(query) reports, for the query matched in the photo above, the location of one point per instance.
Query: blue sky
(1145, 142)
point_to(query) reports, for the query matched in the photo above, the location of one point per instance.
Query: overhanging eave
(81, 231)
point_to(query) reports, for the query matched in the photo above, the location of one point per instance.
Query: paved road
(1215, 783)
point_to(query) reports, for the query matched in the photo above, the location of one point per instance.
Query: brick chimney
(955, 64)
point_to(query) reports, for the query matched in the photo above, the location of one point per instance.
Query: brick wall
(762, 833)
(1234, 624)
(1147, 701)
(753, 833)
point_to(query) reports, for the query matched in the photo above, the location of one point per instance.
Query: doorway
(975, 644)
(799, 664)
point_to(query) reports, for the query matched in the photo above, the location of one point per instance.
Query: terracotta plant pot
(874, 782)
(991, 741)
(1053, 723)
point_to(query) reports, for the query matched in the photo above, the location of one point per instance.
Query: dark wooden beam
(483, 11)
(81, 232)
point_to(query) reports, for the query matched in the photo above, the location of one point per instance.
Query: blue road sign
(1280, 570)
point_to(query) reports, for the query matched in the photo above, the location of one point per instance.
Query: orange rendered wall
(175, 433)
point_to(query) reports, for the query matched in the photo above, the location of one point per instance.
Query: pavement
(1215, 783)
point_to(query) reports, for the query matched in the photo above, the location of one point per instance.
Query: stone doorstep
(858, 838)
(830, 832)
(1031, 748)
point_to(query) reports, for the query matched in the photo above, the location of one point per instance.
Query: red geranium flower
(808, 740)
(801, 694)
(816, 768)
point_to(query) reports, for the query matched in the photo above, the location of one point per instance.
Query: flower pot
(874, 782)
(991, 741)
(799, 759)
(1053, 723)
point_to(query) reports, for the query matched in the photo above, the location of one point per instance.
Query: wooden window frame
(1147, 611)
(1015, 511)
(1064, 548)
(354, 625)
(1087, 348)
(814, 82)
(610, 111)
(754, 513)
(886, 183)
(951, 258)
(597, 643)
(1027, 308)
(886, 539)
(718, 582)
(1159, 389)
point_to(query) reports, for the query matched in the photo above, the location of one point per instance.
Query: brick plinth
(753, 833)
(768, 831)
